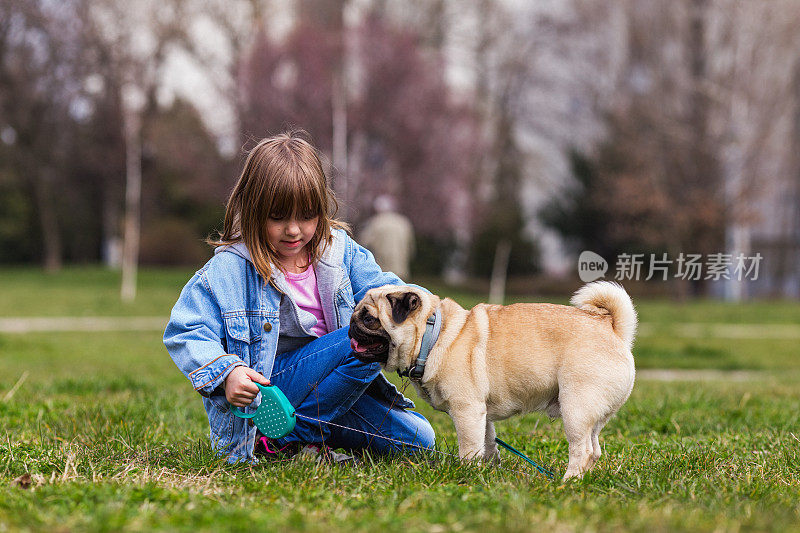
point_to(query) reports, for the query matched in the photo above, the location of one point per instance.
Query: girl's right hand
(239, 387)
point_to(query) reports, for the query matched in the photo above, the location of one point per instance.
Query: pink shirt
(306, 295)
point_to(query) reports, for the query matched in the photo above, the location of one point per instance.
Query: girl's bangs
(296, 193)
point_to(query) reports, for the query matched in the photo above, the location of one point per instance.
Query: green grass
(87, 291)
(115, 439)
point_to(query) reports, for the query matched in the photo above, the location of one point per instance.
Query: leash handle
(513, 450)
(235, 410)
(274, 417)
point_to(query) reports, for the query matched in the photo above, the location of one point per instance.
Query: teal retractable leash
(275, 417)
(513, 450)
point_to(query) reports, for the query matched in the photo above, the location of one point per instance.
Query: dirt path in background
(724, 330)
(669, 374)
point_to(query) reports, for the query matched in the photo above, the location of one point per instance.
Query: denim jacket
(226, 316)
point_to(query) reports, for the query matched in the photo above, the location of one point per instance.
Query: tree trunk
(497, 287)
(133, 197)
(51, 236)
(339, 103)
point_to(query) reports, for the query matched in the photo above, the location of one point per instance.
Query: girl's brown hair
(282, 176)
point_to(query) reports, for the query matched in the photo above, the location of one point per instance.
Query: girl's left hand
(239, 387)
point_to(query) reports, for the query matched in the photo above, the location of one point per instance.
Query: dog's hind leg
(490, 447)
(597, 451)
(580, 453)
(578, 427)
(470, 422)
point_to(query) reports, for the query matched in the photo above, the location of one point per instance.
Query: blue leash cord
(513, 450)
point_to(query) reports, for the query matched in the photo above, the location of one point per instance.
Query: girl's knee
(420, 431)
(355, 368)
(427, 438)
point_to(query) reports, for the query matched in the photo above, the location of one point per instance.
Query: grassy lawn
(87, 291)
(114, 438)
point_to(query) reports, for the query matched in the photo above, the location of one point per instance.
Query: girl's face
(289, 236)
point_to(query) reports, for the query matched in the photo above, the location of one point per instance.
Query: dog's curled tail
(607, 297)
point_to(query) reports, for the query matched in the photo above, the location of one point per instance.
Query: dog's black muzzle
(368, 346)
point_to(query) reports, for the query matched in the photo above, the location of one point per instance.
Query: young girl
(273, 306)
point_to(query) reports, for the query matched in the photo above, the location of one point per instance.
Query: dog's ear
(402, 304)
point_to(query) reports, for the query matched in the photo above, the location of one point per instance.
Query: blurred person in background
(390, 237)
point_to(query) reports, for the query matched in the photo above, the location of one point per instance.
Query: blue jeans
(325, 381)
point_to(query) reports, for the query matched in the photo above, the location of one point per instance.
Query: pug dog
(491, 362)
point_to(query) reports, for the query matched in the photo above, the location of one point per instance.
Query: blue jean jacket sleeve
(194, 338)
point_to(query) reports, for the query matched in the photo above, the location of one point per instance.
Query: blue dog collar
(432, 328)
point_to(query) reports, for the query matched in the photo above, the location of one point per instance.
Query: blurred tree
(412, 139)
(64, 70)
(576, 213)
(39, 70)
(405, 136)
(289, 83)
(18, 243)
(502, 244)
(99, 165)
(661, 178)
(686, 175)
(136, 43)
(233, 27)
(754, 49)
(185, 183)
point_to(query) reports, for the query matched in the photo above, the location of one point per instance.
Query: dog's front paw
(471, 454)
